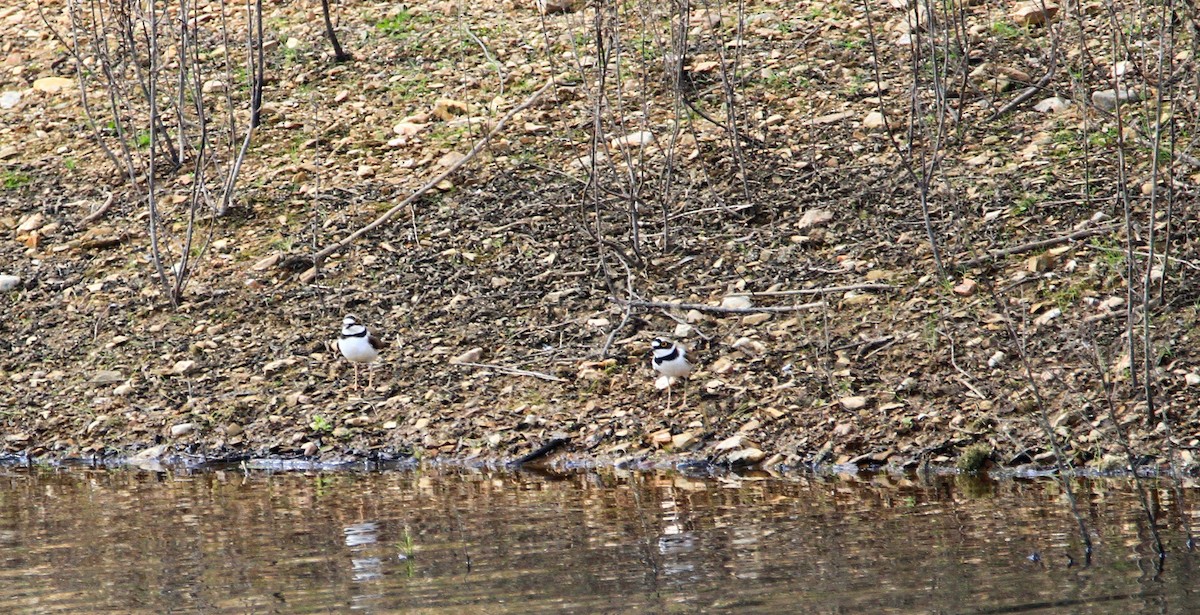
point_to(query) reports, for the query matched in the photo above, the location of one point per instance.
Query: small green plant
(399, 25)
(320, 424)
(15, 179)
(1006, 30)
(70, 164)
(141, 140)
(973, 457)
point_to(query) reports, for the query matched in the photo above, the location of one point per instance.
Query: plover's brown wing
(375, 342)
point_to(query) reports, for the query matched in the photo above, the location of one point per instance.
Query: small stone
(123, 390)
(874, 121)
(1054, 104)
(694, 316)
(1033, 13)
(856, 402)
(746, 456)
(966, 288)
(265, 263)
(636, 139)
(340, 432)
(682, 330)
(753, 320)
(149, 454)
(407, 129)
(1047, 317)
(1109, 99)
(721, 366)
(471, 356)
(1040, 263)
(737, 302)
(9, 282)
(213, 85)
(9, 151)
(997, 359)
(53, 85)
(391, 425)
(598, 323)
(293, 43)
(365, 171)
(814, 218)
(683, 441)
(730, 443)
(9, 99)
(1192, 379)
(107, 377)
(277, 365)
(31, 223)
(447, 109)
(184, 367)
(661, 438)
(750, 348)
(233, 430)
(182, 429)
(310, 449)
(551, 7)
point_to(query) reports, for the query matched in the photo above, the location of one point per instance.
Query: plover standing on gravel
(358, 346)
(670, 360)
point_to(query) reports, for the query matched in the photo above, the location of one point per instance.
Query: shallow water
(468, 541)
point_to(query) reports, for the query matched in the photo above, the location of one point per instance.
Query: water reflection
(445, 541)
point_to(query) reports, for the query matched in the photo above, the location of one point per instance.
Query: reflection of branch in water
(1097, 363)
(1044, 422)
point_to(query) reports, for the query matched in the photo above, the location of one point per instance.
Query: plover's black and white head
(670, 360)
(358, 346)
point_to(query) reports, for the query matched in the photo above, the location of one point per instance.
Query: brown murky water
(464, 541)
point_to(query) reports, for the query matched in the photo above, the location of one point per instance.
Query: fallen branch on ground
(1036, 245)
(700, 307)
(100, 211)
(815, 291)
(512, 370)
(319, 257)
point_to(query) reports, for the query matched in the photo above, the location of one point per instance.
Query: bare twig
(815, 291)
(511, 370)
(100, 211)
(700, 307)
(995, 255)
(319, 257)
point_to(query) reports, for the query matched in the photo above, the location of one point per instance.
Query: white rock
(814, 217)
(874, 121)
(9, 282)
(746, 456)
(730, 443)
(471, 356)
(186, 366)
(737, 302)
(683, 330)
(1047, 317)
(634, 139)
(856, 402)
(182, 429)
(1192, 379)
(997, 359)
(9, 99)
(32, 223)
(1054, 104)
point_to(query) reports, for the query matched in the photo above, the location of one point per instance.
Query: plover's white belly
(357, 349)
(677, 368)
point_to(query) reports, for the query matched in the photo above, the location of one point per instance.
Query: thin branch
(511, 370)
(815, 291)
(996, 255)
(700, 307)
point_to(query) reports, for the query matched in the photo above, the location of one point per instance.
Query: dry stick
(511, 370)
(700, 307)
(320, 257)
(1035, 245)
(814, 291)
(103, 209)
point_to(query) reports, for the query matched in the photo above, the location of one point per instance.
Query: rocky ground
(513, 264)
